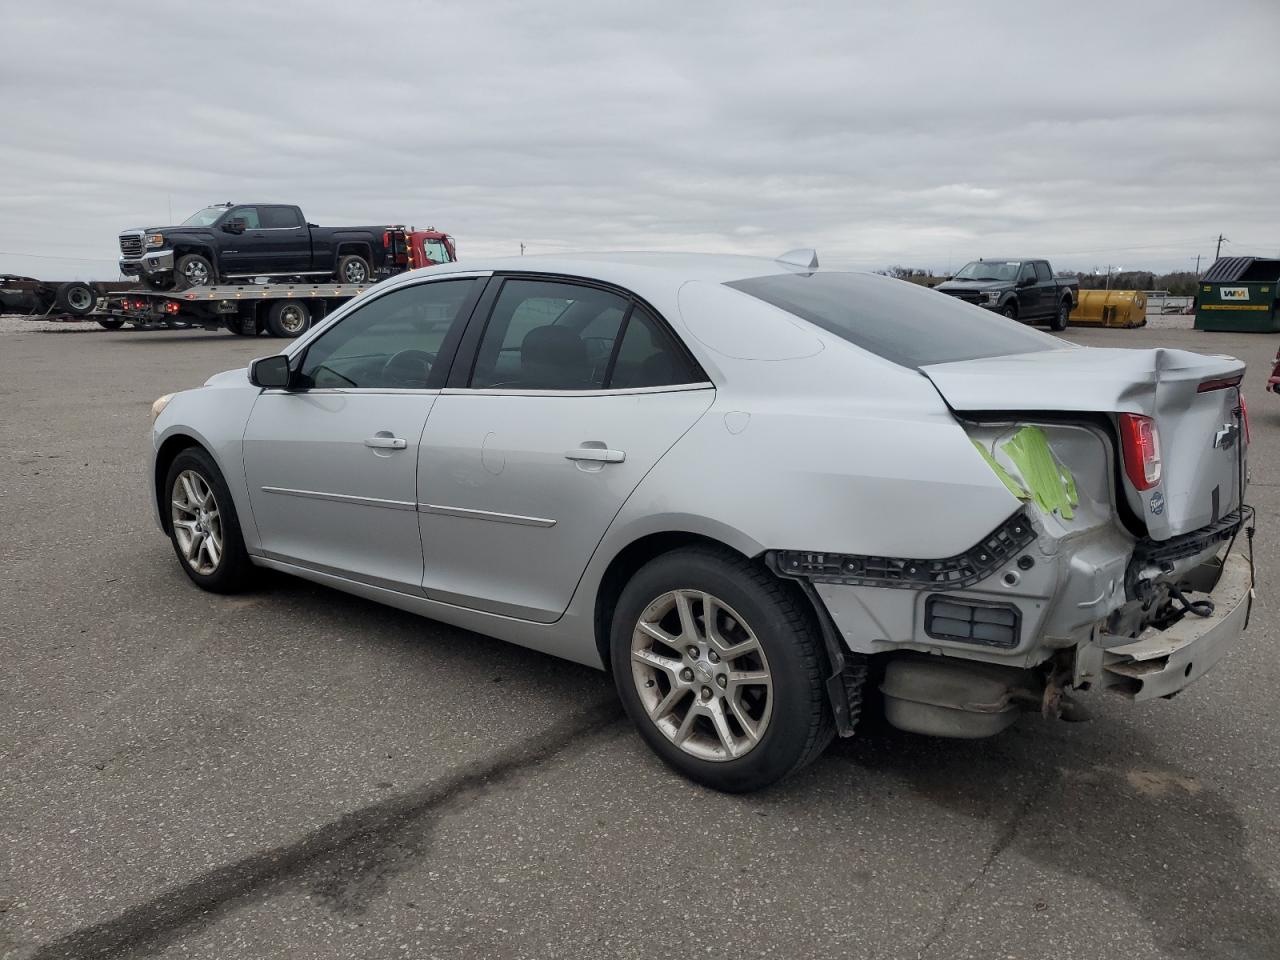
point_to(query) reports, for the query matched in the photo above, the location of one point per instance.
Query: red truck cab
(413, 249)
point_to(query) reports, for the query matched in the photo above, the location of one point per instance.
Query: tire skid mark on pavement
(345, 860)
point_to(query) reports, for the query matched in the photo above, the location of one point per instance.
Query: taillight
(1140, 448)
(1244, 419)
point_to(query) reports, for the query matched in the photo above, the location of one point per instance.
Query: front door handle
(596, 455)
(386, 443)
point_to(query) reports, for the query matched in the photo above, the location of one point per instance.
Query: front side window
(907, 324)
(276, 218)
(249, 215)
(390, 343)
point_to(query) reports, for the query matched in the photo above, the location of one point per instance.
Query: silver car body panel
(801, 441)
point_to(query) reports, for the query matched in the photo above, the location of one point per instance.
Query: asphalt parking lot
(296, 772)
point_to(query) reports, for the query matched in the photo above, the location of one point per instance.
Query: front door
(331, 463)
(576, 393)
(245, 253)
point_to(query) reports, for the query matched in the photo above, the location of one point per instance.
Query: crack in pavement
(998, 846)
(354, 842)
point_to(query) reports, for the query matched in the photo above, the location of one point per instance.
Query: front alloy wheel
(197, 523)
(702, 675)
(203, 524)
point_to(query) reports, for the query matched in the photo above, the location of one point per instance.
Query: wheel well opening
(623, 567)
(168, 452)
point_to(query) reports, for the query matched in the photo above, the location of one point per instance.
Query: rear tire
(75, 298)
(691, 710)
(1062, 317)
(288, 319)
(193, 270)
(200, 512)
(353, 269)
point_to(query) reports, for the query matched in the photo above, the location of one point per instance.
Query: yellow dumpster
(1110, 308)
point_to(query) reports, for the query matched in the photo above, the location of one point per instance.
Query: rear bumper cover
(1160, 663)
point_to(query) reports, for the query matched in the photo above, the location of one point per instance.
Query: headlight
(157, 408)
(993, 296)
(155, 239)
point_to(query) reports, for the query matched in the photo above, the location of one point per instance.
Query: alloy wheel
(354, 271)
(701, 675)
(196, 522)
(196, 272)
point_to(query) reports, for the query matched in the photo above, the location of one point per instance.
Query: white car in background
(747, 487)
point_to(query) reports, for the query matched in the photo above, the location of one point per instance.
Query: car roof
(627, 268)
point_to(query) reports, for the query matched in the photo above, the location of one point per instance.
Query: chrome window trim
(344, 498)
(466, 513)
(619, 392)
(395, 283)
(354, 391)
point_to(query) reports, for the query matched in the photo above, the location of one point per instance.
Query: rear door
(564, 396)
(286, 243)
(1030, 293)
(1048, 290)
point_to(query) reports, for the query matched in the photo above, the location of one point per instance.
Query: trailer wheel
(75, 298)
(193, 270)
(288, 318)
(110, 324)
(352, 269)
(243, 326)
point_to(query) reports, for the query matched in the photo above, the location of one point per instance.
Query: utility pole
(1217, 253)
(522, 248)
(1197, 266)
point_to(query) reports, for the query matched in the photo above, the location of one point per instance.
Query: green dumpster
(1239, 294)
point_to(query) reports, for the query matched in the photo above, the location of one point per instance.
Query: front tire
(1062, 317)
(203, 524)
(1009, 311)
(720, 666)
(193, 270)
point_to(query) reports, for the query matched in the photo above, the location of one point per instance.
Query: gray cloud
(880, 133)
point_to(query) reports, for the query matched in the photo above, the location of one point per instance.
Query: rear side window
(557, 335)
(276, 217)
(903, 322)
(1042, 271)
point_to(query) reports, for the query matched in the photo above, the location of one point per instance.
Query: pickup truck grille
(131, 244)
(967, 296)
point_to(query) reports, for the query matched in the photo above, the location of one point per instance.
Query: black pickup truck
(1023, 290)
(240, 241)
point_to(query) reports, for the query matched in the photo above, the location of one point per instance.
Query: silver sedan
(749, 488)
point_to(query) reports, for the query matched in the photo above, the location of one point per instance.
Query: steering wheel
(408, 367)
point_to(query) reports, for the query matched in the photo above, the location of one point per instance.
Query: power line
(43, 256)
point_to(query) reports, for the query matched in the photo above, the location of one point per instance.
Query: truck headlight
(157, 408)
(155, 239)
(993, 296)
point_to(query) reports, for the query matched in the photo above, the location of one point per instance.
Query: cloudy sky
(1128, 133)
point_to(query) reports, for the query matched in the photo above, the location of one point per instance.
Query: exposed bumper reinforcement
(1159, 663)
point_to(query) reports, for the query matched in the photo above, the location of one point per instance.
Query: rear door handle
(596, 454)
(386, 443)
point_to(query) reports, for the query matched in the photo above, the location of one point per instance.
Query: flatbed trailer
(279, 309)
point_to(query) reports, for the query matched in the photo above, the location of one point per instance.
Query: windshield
(907, 324)
(205, 217)
(989, 270)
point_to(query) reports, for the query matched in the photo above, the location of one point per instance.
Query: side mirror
(234, 225)
(271, 373)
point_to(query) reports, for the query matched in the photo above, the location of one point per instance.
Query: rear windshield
(903, 322)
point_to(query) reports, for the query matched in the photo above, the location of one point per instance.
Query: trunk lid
(1192, 397)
